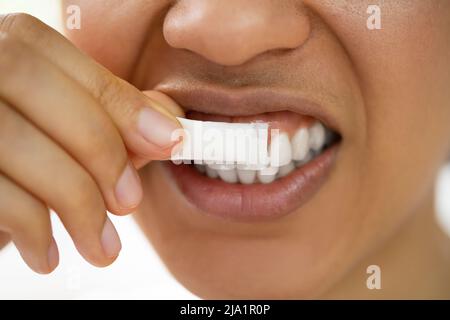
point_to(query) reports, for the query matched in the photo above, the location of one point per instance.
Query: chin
(297, 254)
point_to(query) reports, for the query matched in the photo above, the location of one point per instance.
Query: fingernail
(128, 188)
(156, 127)
(110, 240)
(53, 255)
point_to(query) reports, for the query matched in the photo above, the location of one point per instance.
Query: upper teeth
(300, 149)
(300, 144)
(317, 136)
(282, 146)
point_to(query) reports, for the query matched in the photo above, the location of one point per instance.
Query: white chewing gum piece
(222, 142)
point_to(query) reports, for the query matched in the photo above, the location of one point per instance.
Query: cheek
(114, 32)
(408, 105)
(403, 72)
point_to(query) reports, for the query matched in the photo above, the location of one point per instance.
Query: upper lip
(246, 101)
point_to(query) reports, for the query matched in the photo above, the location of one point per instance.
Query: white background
(138, 272)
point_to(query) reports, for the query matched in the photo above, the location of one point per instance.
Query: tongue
(285, 121)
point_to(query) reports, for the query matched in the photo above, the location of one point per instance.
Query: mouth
(308, 143)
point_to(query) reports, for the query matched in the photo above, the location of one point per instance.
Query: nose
(232, 32)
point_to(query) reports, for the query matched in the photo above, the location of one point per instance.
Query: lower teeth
(231, 174)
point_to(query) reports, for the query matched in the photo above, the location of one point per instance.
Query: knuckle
(31, 221)
(83, 193)
(111, 156)
(109, 91)
(24, 214)
(109, 169)
(10, 53)
(13, 130)
(126, 110)
(110, 152)
(15, 59)
(103, 137)
(12, 21)
(107, 88)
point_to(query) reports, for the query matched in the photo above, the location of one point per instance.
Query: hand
(71, 135)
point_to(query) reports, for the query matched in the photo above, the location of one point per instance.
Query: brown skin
(385, 87)
(58, 106)
(387, 90)
(4, 239)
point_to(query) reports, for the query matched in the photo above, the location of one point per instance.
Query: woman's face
(384, 91)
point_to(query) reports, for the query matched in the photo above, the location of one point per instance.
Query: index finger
(146, 133)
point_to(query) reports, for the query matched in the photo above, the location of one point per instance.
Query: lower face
(361, 151)
(305, 151)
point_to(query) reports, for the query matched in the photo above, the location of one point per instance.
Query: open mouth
(307, 151)
(301, 139)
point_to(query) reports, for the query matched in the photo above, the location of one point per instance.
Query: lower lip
(255, 202)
